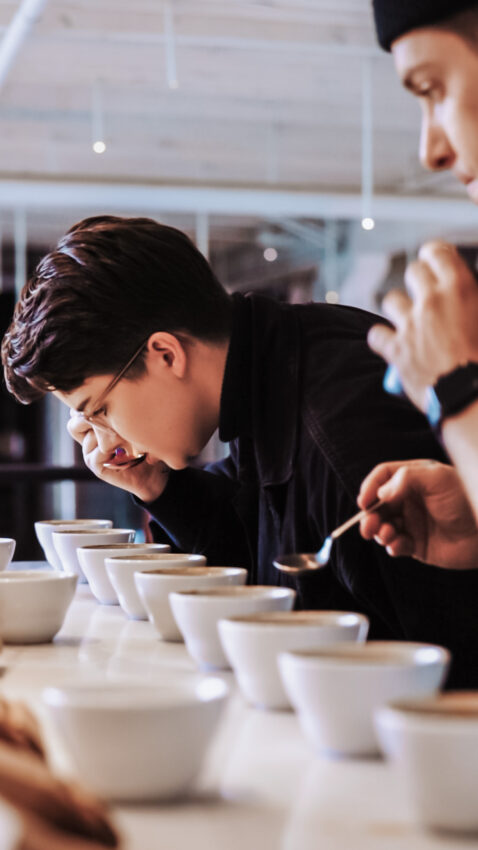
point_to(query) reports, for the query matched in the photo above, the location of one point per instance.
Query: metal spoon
(132, 461)
(302, 563)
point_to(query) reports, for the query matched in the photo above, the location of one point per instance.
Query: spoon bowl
(298, 563)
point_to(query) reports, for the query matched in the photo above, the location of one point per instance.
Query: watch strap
(452, 393)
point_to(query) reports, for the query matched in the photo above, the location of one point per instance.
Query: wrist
(463, 423)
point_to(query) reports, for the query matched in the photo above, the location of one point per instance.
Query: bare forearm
(460, 434)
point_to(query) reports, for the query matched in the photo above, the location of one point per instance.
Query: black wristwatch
(452, 393)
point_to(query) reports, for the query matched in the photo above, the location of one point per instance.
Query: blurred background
(276, 134)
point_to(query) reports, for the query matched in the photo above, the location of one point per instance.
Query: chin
(179, 463)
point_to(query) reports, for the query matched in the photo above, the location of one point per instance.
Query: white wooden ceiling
(269, 94)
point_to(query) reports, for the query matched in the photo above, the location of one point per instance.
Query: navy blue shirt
(306, 417)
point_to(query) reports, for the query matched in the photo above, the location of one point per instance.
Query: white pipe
(367, 139)
(202, 233)
(16, 33)
(262, 45)
(97, 116)
(131, 198)
(272, 153)
(170, 46)
(20, 247)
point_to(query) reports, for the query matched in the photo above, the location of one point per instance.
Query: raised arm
(435, 333)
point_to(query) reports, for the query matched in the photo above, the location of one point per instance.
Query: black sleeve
(197, 513)
(355, 425)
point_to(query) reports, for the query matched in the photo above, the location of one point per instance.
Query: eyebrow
(408, 80)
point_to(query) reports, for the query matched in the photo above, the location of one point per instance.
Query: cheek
(168, 422)
(461, 117)
(154, 427)
(134, 418)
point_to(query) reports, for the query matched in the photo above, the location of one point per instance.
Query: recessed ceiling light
(368, 223)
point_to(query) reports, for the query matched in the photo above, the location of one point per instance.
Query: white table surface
(261, 786)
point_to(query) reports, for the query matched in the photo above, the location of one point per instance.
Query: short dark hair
(108, 285)
(464, 24)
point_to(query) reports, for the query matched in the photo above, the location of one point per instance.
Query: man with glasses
(126, 324)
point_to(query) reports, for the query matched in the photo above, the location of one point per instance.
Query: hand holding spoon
(302, 563)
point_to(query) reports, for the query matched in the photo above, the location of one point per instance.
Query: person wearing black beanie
(434, 342)
(394, 18)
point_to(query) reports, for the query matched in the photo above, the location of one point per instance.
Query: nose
(436, 152)
(107, 439)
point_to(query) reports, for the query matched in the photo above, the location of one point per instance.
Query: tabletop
(260, 787)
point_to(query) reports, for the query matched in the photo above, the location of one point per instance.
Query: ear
(167, 352)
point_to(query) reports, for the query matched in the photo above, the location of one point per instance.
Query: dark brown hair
(464, 24)
(107, 286)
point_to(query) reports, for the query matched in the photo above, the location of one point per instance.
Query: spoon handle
(125, 464)
(354, 520)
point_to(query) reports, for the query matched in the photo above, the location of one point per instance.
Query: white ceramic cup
(121, 570)
(252, 645)
(138, 743)
(197, 613)
(45, 528)
(92, 562)
(33, 604)
(7, 548)
(433, 744)
(66, 543)
(154, 588)
(336, 690)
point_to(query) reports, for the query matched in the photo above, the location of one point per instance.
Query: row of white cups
(352, 698)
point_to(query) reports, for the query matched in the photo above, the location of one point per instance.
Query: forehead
(434, 47)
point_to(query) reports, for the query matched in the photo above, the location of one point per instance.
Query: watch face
(433, 408)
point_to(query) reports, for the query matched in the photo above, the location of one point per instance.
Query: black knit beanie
(394, 18)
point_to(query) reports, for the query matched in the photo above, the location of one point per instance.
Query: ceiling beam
(215, 42)
(263, 202)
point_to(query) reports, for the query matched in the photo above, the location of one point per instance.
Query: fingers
(374, 480)
(403, 486)
(84, 434)
(90, 443)
(382, 340)
(446, 264)
(387, 534)
(370, 526)
(396, 306)
(401, 547)
(420, 280)
(78, 427)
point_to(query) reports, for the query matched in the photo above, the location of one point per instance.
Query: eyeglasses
(98, 419)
